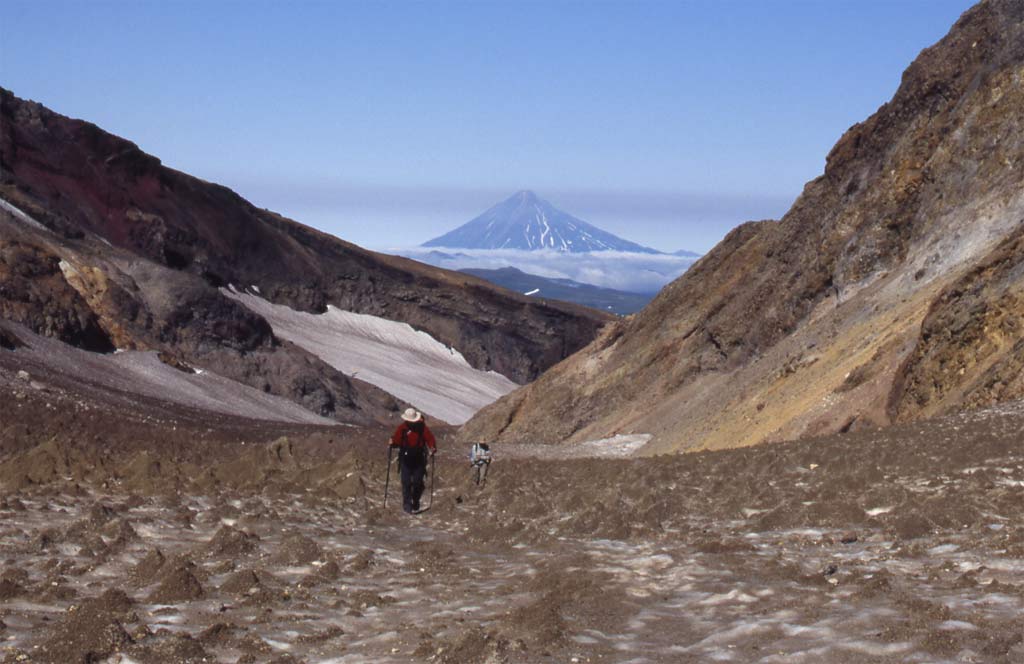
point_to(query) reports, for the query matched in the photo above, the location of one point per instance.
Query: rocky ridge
(888, 292)
(103, 247)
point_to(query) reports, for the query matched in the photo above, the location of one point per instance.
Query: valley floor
(124, 539)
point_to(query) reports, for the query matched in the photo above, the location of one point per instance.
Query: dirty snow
(619, 446)
(614, 447)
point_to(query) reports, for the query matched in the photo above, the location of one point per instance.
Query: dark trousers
(413, 462)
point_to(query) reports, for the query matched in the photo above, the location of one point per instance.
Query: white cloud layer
(626, 271)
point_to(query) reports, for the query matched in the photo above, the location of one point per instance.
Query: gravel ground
(187, 537)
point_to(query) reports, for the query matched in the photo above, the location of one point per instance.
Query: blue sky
(390, 123)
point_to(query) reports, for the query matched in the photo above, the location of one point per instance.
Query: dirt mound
(326, 573)
(219, 634)
(349, 488)
(231, 542)
(120, 533)
(178, 583)
(241, 582)
(367, 599)
(99, 514)
(475, 645)
(46, 540)
(910, 526)
(435, 556)
(362, 561)
(10, 589)
(298, 549)
(177, 648)
(147, 569)
(91, 632)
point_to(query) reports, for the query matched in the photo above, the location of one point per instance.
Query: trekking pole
(387, 478)
(433, 474)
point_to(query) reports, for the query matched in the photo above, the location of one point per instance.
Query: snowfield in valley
(408, 364)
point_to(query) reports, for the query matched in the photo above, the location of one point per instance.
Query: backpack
(407, 449)
(480, 460)
(480, 454)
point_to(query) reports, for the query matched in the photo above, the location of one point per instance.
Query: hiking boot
(407, 509)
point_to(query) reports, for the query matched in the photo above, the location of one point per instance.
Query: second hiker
(414, 442)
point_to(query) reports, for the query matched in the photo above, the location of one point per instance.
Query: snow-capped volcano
(527, 222)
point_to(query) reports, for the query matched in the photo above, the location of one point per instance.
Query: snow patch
(409, 364)
(21, 216)
(731, 596)
(278, 645)
(956, 624)
(67, 269)
(616, 446)
(875, 649)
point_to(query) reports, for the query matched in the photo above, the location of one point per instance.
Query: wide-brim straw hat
(412, 415)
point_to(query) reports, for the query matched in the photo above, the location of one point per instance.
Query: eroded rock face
(913, 220)
(33, 292)
(92, 296)
(971, 348)
(75, 179)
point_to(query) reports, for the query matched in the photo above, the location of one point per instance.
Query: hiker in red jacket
(414, 442)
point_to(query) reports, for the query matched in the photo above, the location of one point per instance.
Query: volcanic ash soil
(900, 545)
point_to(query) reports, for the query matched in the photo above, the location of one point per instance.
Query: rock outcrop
(33, 292)
(890, 290)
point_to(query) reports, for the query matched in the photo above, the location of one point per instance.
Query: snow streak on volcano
(526, 221)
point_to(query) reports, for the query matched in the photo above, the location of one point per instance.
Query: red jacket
(414, 438)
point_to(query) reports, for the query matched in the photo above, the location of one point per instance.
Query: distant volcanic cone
(527, 222)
